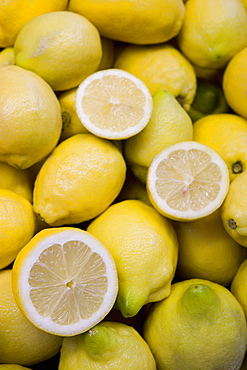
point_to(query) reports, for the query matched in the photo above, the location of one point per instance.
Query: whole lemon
(108, 345)
(62, 47)
(132, 21)
(213, 32)
(213, 255)
(199, 326)
(233, 211)
(17, 226)
(79, 180)
(144, 246)
(14, 14)
(161, 67)
(31, 121)
(226, 133)
(235, 81)
(21, 342)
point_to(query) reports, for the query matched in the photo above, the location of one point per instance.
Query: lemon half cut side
(187, 181)
(113, 104)
(64, 281)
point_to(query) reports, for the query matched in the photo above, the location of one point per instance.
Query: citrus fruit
(21, 342)
(234, 210)
(234, 83)
(16, 180)
(72, 125)
(169, 124)
(209, 99)
(160, 67)
(238, 285)
(79, 180)
(14, 14)
(17, 226)
(64, 281)
(131, 21)
(108, 345)
(31, 121)
(7, 57)
(213, 32)
(113, 104)
(199, 326)
(187, 181)
(62, 47)
(206, 250)
(144, 247)
(226, 133)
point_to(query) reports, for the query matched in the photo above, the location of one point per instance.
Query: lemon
(64, 281)
(234, 83)
(72, 125)
(17, 180)
(209, 99)
(21, 342)
(187, 181)
(160, 67)
(79, 180)
(213, 32)
(169, 124)
(13, 367)
(108, 345)
(199, 326)
(14, 14)
(133, 22)
(238, 285)
(234, 210)
(7, 57)
(18, 225)
(62, 47)
(206, 250)
(108, 53)
(31, 121)
(226, 133)
(144, 247)
(113, 104)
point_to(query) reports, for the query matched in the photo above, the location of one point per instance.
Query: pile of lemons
(123, 184)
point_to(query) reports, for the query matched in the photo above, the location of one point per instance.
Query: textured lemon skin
(213, 32)
(21, 343)
(226, 133)
(234, 83)
(161, 67)
(79, 180)
(14, 14)
(144, 246)
(199, 326)
(213, 255)
(31, 122)
(17, 225)
(233, 212)
(134, 22)
(169, 124)
(108, 345)
(62, 47)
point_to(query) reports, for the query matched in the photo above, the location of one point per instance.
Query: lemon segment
(113, 104)
(187, 181)
(64, 281)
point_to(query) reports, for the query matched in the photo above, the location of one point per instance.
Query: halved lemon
(187, 181)
(64, 281)
(113, 104)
